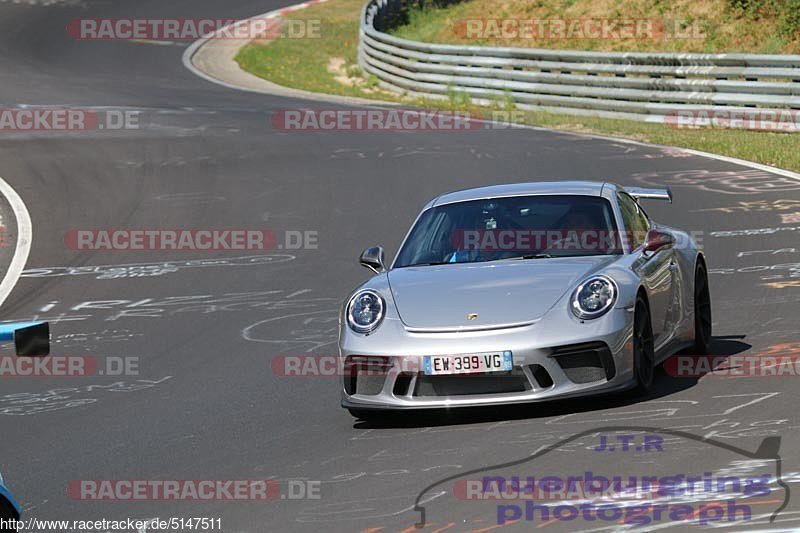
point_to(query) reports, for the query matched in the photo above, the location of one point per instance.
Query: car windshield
(518, 227)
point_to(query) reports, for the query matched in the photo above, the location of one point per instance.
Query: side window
(438, 231)
(645, 222)
(635, 220)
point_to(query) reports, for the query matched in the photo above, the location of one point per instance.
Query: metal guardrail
(645, 86)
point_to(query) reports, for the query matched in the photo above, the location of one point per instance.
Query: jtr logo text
(630, 443)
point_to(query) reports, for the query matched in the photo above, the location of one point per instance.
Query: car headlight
(594, 297)
(365, 311)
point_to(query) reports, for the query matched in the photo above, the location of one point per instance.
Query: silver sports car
(520, 293)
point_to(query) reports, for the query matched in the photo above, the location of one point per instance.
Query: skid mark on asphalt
(32, 403)
(722, 181)
(361, 509)
(93, 339)
(398, 152)
(755, 206)
(191, 198)
(163, 306)
(137, 270)
(314, 330)
(44, 3)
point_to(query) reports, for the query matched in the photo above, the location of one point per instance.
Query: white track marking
(24, 238)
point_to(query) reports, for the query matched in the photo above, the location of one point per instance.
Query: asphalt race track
(206, 403)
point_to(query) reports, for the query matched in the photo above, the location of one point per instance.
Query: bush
(744, 5)
(790, 20)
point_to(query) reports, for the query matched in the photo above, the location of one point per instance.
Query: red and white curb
(190, 52)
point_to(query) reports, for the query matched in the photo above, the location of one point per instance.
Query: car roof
(577, 188)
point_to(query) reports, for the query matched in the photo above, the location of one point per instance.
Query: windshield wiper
(527, 256)
(432, 263)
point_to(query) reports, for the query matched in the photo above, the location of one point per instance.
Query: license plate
(470, 363)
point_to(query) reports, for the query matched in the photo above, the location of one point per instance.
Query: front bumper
(590, 357)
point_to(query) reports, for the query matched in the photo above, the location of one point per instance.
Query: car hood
(500, 293)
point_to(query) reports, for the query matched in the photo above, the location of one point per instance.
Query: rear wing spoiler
(649, 194)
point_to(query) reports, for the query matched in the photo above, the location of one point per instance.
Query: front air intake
(541, 375)
(586, 362)
(365, 374)
(468, 384)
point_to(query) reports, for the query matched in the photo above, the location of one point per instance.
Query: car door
(655, 268)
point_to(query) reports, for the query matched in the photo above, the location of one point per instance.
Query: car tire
(702, 311)
(644, 358)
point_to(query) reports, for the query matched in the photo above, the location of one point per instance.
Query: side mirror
(373, 259)
(657, 240)
(30, 338)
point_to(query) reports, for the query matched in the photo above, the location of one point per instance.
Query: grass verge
(696, 26)
(328, 65)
